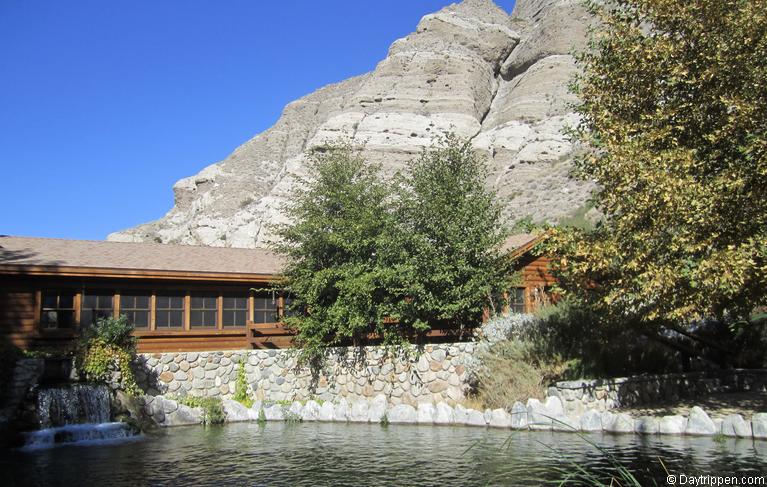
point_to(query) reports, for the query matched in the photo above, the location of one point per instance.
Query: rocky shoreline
(535, 415)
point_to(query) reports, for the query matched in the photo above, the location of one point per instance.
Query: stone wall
(604, 394)
(433, 373)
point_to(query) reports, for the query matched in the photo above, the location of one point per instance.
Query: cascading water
(72, 404)
(75, 414)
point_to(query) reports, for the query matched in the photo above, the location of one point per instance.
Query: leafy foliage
(674, 115)
(109, 347)
(447, 248)
(241, 388)
(338, 282)
(212, 408)
(362, 258)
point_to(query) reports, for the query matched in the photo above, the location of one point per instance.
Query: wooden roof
(521, 242)
(26, 253)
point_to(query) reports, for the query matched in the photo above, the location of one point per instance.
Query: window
(204, 311)
(517, 300)
(57, 309)
(287, 310)
(169, 310)
(136, 307)
(265, 309)
(235, 310)
(95, 305)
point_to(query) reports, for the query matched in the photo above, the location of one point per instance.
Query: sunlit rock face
(498, 79)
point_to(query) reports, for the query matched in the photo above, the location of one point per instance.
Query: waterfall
(75, 414)
(73, 404)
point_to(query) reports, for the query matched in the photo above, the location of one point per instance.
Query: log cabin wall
(536, 280)
(23, 321)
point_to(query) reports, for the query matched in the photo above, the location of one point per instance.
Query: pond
(249, 454)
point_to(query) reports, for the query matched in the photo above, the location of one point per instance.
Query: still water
(249, 454)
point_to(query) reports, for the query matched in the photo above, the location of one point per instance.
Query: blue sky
(104, 105)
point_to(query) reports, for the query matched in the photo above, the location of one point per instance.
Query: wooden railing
(276, 335)
(268, 335)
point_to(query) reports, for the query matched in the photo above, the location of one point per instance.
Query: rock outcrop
(470, 68)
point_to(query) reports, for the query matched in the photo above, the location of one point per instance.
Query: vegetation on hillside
(366, 256)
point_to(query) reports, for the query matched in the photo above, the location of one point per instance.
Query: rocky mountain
(498, 79)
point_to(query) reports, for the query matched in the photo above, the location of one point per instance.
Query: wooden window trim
(220, 308)
(189, 308)
(187, 311)
(152, 311)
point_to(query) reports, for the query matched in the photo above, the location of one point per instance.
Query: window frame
(276, 310)
(234, 310)
(513, 304)
(98, 293)
(43, 323)
(183, 309)
(124, 310)
(204, 310)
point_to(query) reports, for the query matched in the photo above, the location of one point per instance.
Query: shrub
(212, 408)
(113, 331)
(106, 348)
(241, 388)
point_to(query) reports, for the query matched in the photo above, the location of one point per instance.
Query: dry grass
(508, 375)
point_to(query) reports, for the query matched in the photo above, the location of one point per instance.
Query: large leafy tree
(674, 117)
(447, 251)
(340, 217)
(366, 256)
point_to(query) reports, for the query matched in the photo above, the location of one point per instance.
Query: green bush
(241, 388)
(212, 408)
(107, 347)
(113, 331)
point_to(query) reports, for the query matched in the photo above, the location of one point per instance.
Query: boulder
(735, 425)
(591, 420)
(554, 406)
(698, 423)
(617, 423)
(310, 411)
(402, 413)
(359, 412)
(377, 408)
(274, 413)
(460, 414)
(518, 416)
(647, 425)
(183, 416)
(444, 414)
(425, 413)
(235, 411)
(565, 423)
(759, 425)
(499, 418)
(475, 418)
(326, 412)
(673, 425)
(341, 411)
(537, 415)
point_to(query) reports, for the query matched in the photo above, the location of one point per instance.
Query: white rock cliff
(470, 68)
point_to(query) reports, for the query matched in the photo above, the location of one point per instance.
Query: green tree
(340, 216)
(447, 252)
(673, 100)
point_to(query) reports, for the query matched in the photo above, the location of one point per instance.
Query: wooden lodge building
(178, 297)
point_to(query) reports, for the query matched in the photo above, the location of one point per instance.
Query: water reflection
(358, 454)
